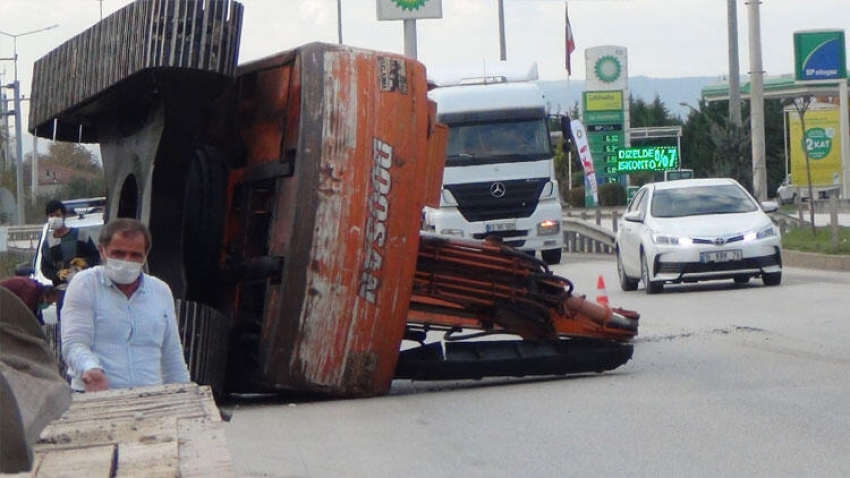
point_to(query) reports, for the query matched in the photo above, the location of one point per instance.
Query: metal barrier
(584, 232)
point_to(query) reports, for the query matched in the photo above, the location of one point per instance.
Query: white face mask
(122, 272)
(55, 223)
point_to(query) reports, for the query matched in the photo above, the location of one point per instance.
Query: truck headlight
(452, 232)
(448, 198)
(547, 228)
(548, 190)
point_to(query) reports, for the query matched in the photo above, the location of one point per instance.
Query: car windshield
(701, 200)
(511, 140)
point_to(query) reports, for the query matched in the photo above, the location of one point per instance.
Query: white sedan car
(696, 230)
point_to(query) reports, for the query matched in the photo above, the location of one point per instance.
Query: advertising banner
(823, 143)
(580, 140)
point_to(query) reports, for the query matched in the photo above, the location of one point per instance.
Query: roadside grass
(800, 239)
(10, 259)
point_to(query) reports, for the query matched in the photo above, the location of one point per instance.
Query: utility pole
(338, 19)
(757, 104)
(503, 54)
(16, 86)
(734, 65)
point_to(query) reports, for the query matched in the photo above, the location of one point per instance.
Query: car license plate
(721, 256)
(500, 226)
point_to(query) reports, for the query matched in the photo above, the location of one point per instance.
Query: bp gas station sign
(819, 55)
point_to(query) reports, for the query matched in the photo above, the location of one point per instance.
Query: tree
(713, 146)
(86, 180)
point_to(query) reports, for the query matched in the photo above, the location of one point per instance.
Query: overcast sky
(664, 38)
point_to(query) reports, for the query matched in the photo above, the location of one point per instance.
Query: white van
(85, 215)
(499, 177)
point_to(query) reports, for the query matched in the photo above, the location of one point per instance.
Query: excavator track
(463, 285)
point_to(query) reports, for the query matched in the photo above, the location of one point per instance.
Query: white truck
(499, 177)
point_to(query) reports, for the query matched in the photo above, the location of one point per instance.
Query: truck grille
(477, 203)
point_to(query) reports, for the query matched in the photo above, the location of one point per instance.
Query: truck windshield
(502, 141)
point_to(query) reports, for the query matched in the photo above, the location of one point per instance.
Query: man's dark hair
(55, 205)
(123, 225)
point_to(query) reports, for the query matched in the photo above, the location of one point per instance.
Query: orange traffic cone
(602, 296)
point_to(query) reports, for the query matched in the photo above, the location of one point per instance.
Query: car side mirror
(769, 206)
(24, 269)
(632, 216)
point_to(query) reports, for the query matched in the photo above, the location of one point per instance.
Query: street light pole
(16, 86)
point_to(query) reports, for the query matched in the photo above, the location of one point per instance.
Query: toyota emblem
(497, 189)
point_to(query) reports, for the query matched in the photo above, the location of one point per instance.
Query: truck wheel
(551, 257)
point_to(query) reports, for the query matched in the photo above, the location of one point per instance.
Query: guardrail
(585, 232)
(23, 237)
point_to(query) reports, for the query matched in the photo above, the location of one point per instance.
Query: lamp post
(19, 173)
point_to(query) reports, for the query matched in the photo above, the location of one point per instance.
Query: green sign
(818, 143)
(820, 55)
(647, 158)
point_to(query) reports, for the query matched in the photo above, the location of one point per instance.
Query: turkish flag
(571, 44)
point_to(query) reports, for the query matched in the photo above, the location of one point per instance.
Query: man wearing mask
(119, 327)
(64, 251)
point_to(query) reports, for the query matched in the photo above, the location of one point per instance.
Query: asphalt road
(725, 381)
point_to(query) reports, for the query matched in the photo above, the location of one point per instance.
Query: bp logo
(410, 4)
(608, 69)
(819, 142)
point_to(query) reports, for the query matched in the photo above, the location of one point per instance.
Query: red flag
(571, 44)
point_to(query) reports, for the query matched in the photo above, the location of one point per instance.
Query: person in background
(65, 250)
(119, 327)
(33, 293)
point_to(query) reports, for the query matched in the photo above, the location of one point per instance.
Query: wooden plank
(163, 431)
(197, 436)
(93, 462)
(96, 432)
(184, 400)
(149, 460)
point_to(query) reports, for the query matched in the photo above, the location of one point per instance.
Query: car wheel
(626, 282)
(551, 257)
(652, 287)
(772, 278)
(741, 279)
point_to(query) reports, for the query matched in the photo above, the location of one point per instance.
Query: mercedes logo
(497, 189)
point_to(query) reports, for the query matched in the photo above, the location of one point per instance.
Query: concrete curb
(811, 260)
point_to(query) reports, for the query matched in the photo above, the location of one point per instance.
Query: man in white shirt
(119, 328)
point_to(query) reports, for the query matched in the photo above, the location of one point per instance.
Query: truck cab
(499, 176)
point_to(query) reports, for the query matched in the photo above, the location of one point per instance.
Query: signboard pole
(410, 38)
(844, 121)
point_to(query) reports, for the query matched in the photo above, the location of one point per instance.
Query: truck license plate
(721, 256)
(500, 226)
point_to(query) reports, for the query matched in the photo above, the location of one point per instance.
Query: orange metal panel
(346, 221)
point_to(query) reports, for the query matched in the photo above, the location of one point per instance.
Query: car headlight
(769, 231)
(671, 240)
(547, 228)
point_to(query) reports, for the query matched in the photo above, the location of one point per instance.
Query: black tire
(626, 283)
(651, 287)
(551, 256)
(772, 278)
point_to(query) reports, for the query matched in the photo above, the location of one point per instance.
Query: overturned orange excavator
(285, 196)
